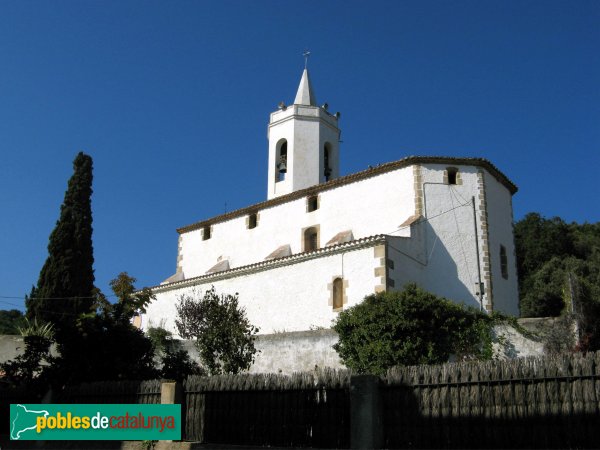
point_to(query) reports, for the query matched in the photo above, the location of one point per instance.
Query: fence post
(366, 415)
(171, 392)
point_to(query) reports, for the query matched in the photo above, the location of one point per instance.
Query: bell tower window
(326, 161)
(281, 161)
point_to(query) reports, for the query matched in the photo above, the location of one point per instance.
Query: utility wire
(421, 220)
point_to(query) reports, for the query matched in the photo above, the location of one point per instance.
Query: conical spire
(305, 94)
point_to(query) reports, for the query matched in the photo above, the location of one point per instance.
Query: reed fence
(548, 402)
(301, 410)
(104, 392)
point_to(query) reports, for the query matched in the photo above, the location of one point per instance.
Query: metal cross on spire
(306, 54)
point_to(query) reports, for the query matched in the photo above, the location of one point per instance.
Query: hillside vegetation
(559, 272)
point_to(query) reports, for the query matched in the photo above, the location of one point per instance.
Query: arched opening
(281, 160)
(326, 161)
(452, 175)
(311, 239)
(338, 294)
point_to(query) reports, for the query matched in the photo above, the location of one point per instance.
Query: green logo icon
(95, 422)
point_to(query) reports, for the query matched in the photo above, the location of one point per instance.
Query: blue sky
(172, 100)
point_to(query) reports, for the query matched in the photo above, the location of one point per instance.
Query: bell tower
(303, 143)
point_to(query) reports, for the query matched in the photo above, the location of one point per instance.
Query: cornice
(273, 263)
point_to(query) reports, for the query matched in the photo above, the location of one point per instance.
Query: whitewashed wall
(376, 205)
(449, 234)
(294, 297)
(500, 220)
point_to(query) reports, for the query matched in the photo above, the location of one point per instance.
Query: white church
(321, 241)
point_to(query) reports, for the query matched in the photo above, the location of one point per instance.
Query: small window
(252, 221)
(206, 233)
(311, 239)
(452, 175)
(312, 203)
(338, 294)
(503, 262)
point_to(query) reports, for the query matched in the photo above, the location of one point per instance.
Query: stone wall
(297, 351)
(290, 352)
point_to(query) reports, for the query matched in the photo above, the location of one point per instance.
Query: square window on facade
(312, 203)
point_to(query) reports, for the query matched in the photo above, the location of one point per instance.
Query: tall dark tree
(66, 284)
(104, 345)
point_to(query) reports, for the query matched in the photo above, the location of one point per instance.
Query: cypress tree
(66, 283)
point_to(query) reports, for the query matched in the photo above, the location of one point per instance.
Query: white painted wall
(376, 205)
(449, 234)
(439, 254)
(500, 220)
(294, 297)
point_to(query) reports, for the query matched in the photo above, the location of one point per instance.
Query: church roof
(358, 176)
(306, 93)
(269, 264)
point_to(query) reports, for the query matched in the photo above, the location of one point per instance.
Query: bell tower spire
(306, 93)
(303, 142)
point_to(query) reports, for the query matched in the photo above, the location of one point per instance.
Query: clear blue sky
(172, 99)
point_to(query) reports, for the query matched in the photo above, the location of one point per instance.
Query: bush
(407, 328)
(224, 335)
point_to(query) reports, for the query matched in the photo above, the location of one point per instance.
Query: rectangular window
(206, 233)
(252, 221)
(312, 203)
(503, 262)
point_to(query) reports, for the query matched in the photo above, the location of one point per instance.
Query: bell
(282, 167)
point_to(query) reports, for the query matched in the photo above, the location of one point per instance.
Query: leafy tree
(175, 361)
(545, 293)
(224, 335)
(104, 345)
(559, 274)
(30, 368)
(546, 248)
(537, 241)
(66, 284)
(10, 320)
(409, 327)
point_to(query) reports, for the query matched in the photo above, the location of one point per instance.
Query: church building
(321, 241)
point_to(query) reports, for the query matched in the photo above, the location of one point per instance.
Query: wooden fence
(302, 410)
(112, 392)
(549, 402)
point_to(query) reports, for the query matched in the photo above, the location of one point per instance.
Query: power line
(23, 297)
